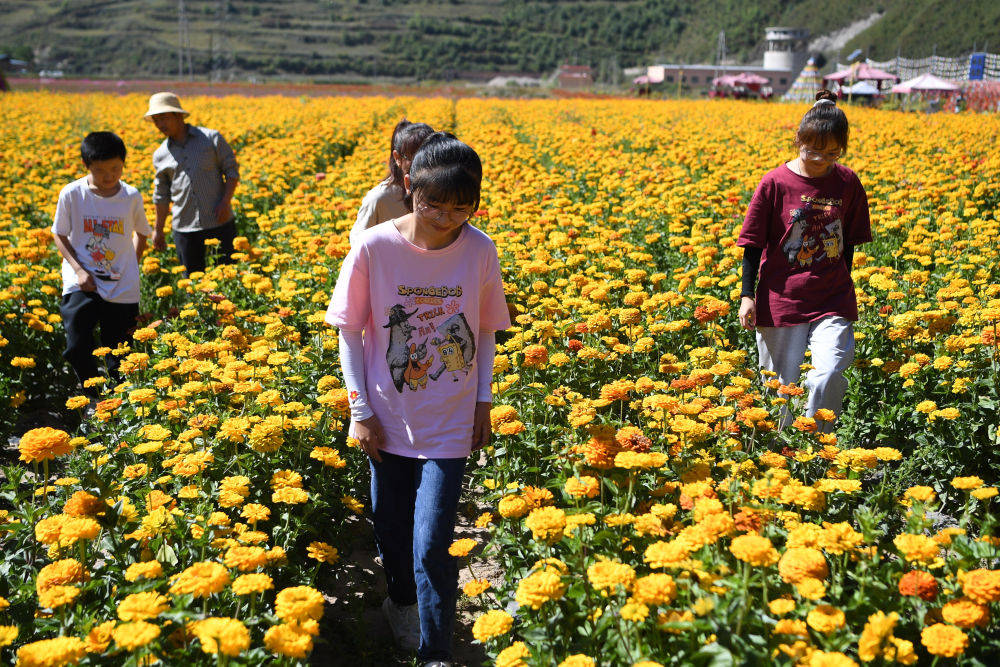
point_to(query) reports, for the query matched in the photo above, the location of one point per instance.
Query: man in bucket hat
(196, 175)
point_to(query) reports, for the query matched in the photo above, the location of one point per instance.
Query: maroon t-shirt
(803, 224)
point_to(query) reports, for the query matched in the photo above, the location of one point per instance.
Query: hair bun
(825, 95)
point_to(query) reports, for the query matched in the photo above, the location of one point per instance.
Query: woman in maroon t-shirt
(803, 223)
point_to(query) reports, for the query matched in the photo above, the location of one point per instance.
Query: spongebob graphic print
(427, 330)
(815, 232)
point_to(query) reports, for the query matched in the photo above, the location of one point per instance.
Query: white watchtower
(786, 49)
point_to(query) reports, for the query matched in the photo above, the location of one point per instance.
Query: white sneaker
(437, 663)
(404, 623)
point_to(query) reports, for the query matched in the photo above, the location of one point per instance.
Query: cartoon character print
(812, 236)
(457, 348)
(100, 255)
(415, 374)
(397, 355)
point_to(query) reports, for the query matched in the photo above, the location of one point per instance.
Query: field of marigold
(643, 506)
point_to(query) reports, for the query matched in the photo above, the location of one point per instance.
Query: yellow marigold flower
(44, 444)
(924, 494)
(797, 563)
(136, 634)
(582, 487)
(288, 640)
(245, 558)
(328, 456)
(225, 636)
(965, 613)
(298, 603)
(635, 612)
(77, 402)
(255, 512)
(982, 586)
(142, 606)
(926, 407)
(944, 640)
(59, 573)
(654, 589)
(54, 597)
(578, 660)
(476, 587)
(967, 483)
(353, 504)
(492, 624)
(462, 547)
(917, 548)
(825, 619)
(201, 579)
(52, 652)
(540, 587)
(513, 656)
(754, 549)
(513, 507)
(838, 538)
(781, 606)
(147, 570)
(608, 574)
(247, 584)
(985, 493)
(323, 552)
(547, 524)
(828, 659)
(668, 554)
(99, 637)
(484, 519)
(787, 626)
(291, 496)
(810, 588)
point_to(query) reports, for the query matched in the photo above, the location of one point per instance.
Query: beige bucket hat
(164, 103)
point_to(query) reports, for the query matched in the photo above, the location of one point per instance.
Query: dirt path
(355, 632)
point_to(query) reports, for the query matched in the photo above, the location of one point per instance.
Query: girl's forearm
(352, 365)
(484, 366)
(751, 267)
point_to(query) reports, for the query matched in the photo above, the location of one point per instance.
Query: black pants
(191, 246)
(82, 312)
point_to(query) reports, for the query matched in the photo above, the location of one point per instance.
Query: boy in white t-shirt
(100, 230)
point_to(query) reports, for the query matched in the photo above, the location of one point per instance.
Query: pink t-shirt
(803, 224)
(421, 312)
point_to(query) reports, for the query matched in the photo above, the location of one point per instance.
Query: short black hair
(98, 146)
(446, 171)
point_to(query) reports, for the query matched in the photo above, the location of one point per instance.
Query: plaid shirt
(189, 175)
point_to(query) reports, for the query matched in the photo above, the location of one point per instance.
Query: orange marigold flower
(982, 586)
(797, 563)
(965, 613)
(920, 584)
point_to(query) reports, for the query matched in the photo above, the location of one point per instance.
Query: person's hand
(85, 281)
(748, 313)
(482, 429)
(370, 436)
(223, 211)
(159, 240)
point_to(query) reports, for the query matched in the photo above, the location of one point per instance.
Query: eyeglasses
(457, 216)
(829, 156)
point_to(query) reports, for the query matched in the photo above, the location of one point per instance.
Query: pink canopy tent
(925, 82)
(860, 72)
(724, 80)
(751, 79)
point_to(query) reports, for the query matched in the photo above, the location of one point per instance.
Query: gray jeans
(830, 341)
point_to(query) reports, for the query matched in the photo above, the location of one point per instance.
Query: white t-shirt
(421, 312)
(100, 231)
(383, 202)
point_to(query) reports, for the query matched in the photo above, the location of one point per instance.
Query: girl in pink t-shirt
(801, 227)
(417, 302)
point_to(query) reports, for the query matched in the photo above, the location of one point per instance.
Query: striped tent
(804, 88)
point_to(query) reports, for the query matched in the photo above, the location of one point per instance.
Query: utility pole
(183, 42)
(221, 56)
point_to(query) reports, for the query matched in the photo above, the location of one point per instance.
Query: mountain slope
(450, 38)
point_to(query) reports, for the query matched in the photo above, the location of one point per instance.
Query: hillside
(445, 39)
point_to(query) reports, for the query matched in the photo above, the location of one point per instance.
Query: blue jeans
(415, 503)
